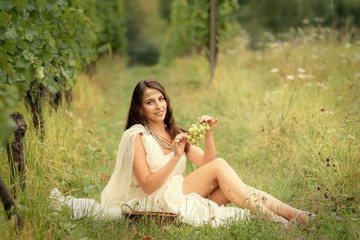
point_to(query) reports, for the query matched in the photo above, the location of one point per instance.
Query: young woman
(149, 168)
(157, 152)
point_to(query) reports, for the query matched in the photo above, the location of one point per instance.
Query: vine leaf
(10, 34)
(6, 5)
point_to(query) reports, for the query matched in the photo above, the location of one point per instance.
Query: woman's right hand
(209, 119)
(179, 144)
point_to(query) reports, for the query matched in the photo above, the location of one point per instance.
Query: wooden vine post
(212, 47)
(37, 111)
(68, 96)
(9, 204)
(57, 98)
(16, 152)
(16, 157)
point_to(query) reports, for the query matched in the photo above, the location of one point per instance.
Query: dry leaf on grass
(149, 237)
(134, 229)
(166, 228)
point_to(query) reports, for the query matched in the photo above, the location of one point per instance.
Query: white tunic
(124, 188)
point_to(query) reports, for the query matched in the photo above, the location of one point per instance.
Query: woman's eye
(161, 98)
(150, 102)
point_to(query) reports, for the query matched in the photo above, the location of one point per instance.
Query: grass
(289, 121)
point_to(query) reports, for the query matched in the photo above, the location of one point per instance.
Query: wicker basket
(160, 218)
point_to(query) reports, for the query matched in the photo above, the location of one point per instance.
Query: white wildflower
(274, 70)
(350, 137)
(70, 114)
(290, 77)
(301, 70)
(306, 21)
(321, 85)
(301, 76)
(347, 45)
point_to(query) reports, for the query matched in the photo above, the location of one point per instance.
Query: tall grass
(288, 123)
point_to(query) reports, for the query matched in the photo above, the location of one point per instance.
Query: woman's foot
(302, 217)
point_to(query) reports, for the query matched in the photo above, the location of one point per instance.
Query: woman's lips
(159, 113)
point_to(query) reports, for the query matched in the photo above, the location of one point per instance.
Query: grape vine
(8, 104)
(190, 20)
(45, 43)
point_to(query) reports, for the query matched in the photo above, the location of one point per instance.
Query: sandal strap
(295, 219)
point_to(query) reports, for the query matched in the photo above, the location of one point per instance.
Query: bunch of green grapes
(197, 132)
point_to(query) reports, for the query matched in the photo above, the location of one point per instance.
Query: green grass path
(288, 124)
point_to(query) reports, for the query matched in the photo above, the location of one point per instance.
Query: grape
(197, 132)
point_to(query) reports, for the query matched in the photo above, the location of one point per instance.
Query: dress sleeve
(116, 191)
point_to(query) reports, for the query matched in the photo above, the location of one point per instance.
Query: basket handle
(126, 205)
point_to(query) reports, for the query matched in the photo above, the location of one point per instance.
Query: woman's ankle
(301, 217)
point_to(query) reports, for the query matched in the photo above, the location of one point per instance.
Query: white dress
(124, 188)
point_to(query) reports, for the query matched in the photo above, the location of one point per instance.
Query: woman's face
(154, 106)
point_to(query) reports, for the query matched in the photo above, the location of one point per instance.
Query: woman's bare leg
(274, 204)
(218, 178)
(218, 197)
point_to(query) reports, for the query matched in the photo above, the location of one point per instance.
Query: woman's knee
(220, 163)
(223, 168)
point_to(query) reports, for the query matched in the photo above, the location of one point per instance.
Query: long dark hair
(135, 116)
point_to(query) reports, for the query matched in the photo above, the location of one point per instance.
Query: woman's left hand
(209, 119)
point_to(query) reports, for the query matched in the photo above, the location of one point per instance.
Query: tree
(190, 26)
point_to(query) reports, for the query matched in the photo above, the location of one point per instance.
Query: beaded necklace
(161, 140)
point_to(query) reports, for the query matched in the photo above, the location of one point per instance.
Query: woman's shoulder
(136, 127)
(135, 130)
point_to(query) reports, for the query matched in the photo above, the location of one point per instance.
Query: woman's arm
(198, 156)
(148, 181)
(209, 149)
